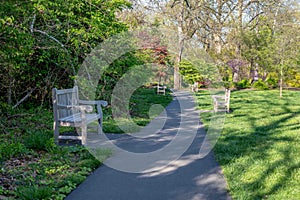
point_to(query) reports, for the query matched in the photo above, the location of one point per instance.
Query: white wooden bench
(194, 87)
(69, 110)
(161, 89)
(222, 102)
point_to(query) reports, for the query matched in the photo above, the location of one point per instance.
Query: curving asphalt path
(187, 178)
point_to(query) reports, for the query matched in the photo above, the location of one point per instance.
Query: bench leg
(100, 126)
(83, 134)
(56, 132)
(215, 107)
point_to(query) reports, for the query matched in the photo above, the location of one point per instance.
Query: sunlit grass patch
(259, 147)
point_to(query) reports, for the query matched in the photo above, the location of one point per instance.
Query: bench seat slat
(76, 118)
(69, 137)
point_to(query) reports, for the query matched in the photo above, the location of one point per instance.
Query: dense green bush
(294, 80)
(272, 83)
(260, 85)
(34, 192)
(13, 149)
(190, 72)
(243, 84)
(38, 140)
(43, 43)
(228, 84)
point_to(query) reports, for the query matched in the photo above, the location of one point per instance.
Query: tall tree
(286, 31)
(43, 42)
(183, 14)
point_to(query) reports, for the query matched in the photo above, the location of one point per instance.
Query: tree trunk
(280, 88)
(181, 38)
(281, 81)
(275, 19)
(217, 41)
(177, 64)
(240, 26)
(218, 30)
(235, 77)
(9, 90)
(240, 17)
(254, 71)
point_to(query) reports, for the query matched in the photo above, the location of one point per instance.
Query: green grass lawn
(33, 167)
(139, 106)
(259, 149)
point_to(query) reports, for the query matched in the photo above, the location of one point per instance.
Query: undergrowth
(33, 167)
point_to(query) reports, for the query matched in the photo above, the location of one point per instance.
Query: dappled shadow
(156, 140)
(258, 143)
(187, 177)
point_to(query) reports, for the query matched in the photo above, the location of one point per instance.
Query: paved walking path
(189, 177)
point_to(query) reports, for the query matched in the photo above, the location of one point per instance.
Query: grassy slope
(260, 145)
(140, 104)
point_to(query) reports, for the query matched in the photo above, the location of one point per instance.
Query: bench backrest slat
(64, 97)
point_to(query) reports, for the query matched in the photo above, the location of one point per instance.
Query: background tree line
(43, 43)
(251, 41)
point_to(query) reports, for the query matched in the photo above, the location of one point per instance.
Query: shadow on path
(185, 178)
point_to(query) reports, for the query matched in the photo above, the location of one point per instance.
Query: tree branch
(32, 23)
(32, 30)
(253, 18)
(187, 3)
(24, 98)
(51, 37)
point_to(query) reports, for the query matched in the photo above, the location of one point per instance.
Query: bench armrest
(77, 107)
(215, 97)
(97, 102)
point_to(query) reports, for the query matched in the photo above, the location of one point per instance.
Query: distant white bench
(194, 87)
(222, 102)
(68, 110)
(161, 89)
